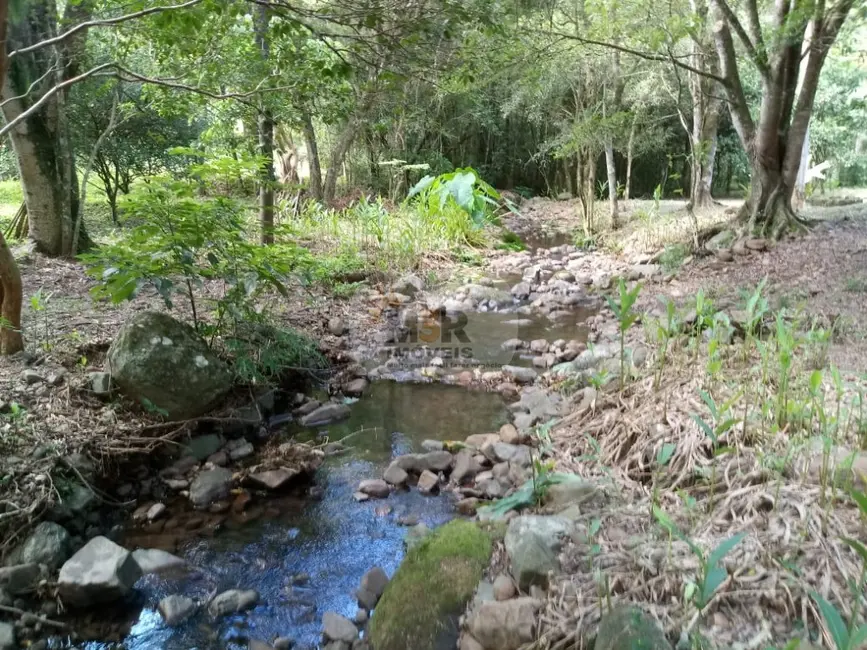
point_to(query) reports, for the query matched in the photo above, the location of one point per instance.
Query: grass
(428, 592)
(856, 285)
(673, 256)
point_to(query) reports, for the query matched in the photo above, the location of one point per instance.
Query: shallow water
(334, 540)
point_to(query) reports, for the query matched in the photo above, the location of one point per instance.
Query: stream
(326, 544)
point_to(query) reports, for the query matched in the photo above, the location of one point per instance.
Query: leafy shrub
(673, 257)
(511, 242)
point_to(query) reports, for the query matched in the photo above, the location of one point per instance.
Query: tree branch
(101, 23)
(737, 101)
(735, 24)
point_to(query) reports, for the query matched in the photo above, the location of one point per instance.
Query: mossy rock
(628, 628)
(422, 602)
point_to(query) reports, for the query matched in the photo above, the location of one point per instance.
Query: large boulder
(100, 572)
(48, 544)
(505, 625)
(628, 628)
(420, 607)
(533, 543)
(164, 361)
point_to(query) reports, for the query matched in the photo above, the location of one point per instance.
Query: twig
(33, 617)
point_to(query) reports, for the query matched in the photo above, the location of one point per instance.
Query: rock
(372, 586)
(20, 579)
(574, 492)
(521, 291)
(374, 487)
(100, 572)
(533, 543)
(336, 326)
(520, 374)
(176, 609)
(233, 601)
(627, 628)
(395, 475)
(283, 643)
(210, 486)
(274, 479)
(756, 244)
(356, 387)
(201, 447)
(538, 346)
(99, 383)
(437, 461)
(479, 440)
(160, 359)
(306, 408)
(467, 507)
(408, 285)
(360, 496)
(331, 412)
(493, 489)
(338, 628)
(723, 239)
(505, 625)
(725, 255)
(466, 467)
(154, 560)
(48, 544)
(7, 637)
(504, 588)
(428, 482)
(468, 642)
(255, 644)
(432, 445)
(512, 344)
(240, 449)
(31, 377)
(501, 452)
(429, 589)
(416, 534)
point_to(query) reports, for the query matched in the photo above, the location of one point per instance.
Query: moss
(427, 594)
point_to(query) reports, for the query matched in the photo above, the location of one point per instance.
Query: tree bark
(630, 145)
(312, 157)
(265, 129)
(611, 168)
(338, 154)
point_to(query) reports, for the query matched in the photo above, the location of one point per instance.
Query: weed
(625, 315)
(856, 285)
(673, 257)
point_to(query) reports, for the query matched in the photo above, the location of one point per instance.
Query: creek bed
(332, 540)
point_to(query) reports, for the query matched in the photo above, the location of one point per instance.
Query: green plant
(722, 424)
(673, 256)
(462, 188)
(39, 304)
(856, 285)
(530, 494)
(666, 330)
(584, 241)
(625, 315)
(511, 242)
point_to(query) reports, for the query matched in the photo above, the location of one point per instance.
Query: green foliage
(625, 316)
(530, 494)
(511, 242)
(673, 257)
(263, 353)
(462, 188)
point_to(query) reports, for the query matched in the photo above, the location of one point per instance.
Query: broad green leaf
(665, 453)
(833, 621)
(723, 549)
(421, 186)
(704, 426)
(861, 499)
(858, 546)
(715, 577)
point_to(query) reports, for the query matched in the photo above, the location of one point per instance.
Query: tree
(801, 33)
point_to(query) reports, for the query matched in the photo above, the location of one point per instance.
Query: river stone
(521, 291)
(160, 359)
(176, 609)
(409, 285)
(628, 628)
(201, 447)
(416, 534)
(437, 461)
(99, 382)
(232, 602)
(372, 585)
(274, 479)
(209, 486)
(505, 625)
(539, 346)
(479, 440)
(20, 578)
(492, 488)
(48, 544)
(7, 637)
(356, 387)
(154, 560)
(395, 475)
(466, 466)
(533, 543)
(520, 374)
(331, 412)
(338, 628)
(509, 434)
(336, 326)
(428, 482)
(504, 587)
(374, 487)
(100, 572)
(433, 445)
(512, 344)
(571, 492)
(502, 452)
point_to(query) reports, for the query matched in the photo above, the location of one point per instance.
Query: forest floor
(794, 547)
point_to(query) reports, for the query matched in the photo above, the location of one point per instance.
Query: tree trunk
(627, 189)
(611, 168)
(338, 154)
(265, 129)
(703, 144)
(313, 157)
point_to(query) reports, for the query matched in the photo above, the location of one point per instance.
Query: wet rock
(283, 643)
(156, 511)
(538, 346)
(466, 467)
(520, 374)
(432, 445)
(479, 440)
(437, 461)
(626, 628)
(372, 586)
(48, 544)
(154, 560)
(331, 412)
(158, 358)
(533, 543)
(504, 588)
(7, 637)
(756, 244)
(512, 344)
(395, 475)
(505, 625)
(467, 507)
(274, 479)
(233, 602)
(374, 487)
(408, 284)
(336, 326)
(501, 452)
(201, 447)
(176, 609)
(356, 387)
(428, 482)
(19, 578)
(240, 449)
(360, 497)
(521, 291)
(338, 628)
(99, 383)
(99, 572)
(307, 407)
(493, 489)
(210, 486)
